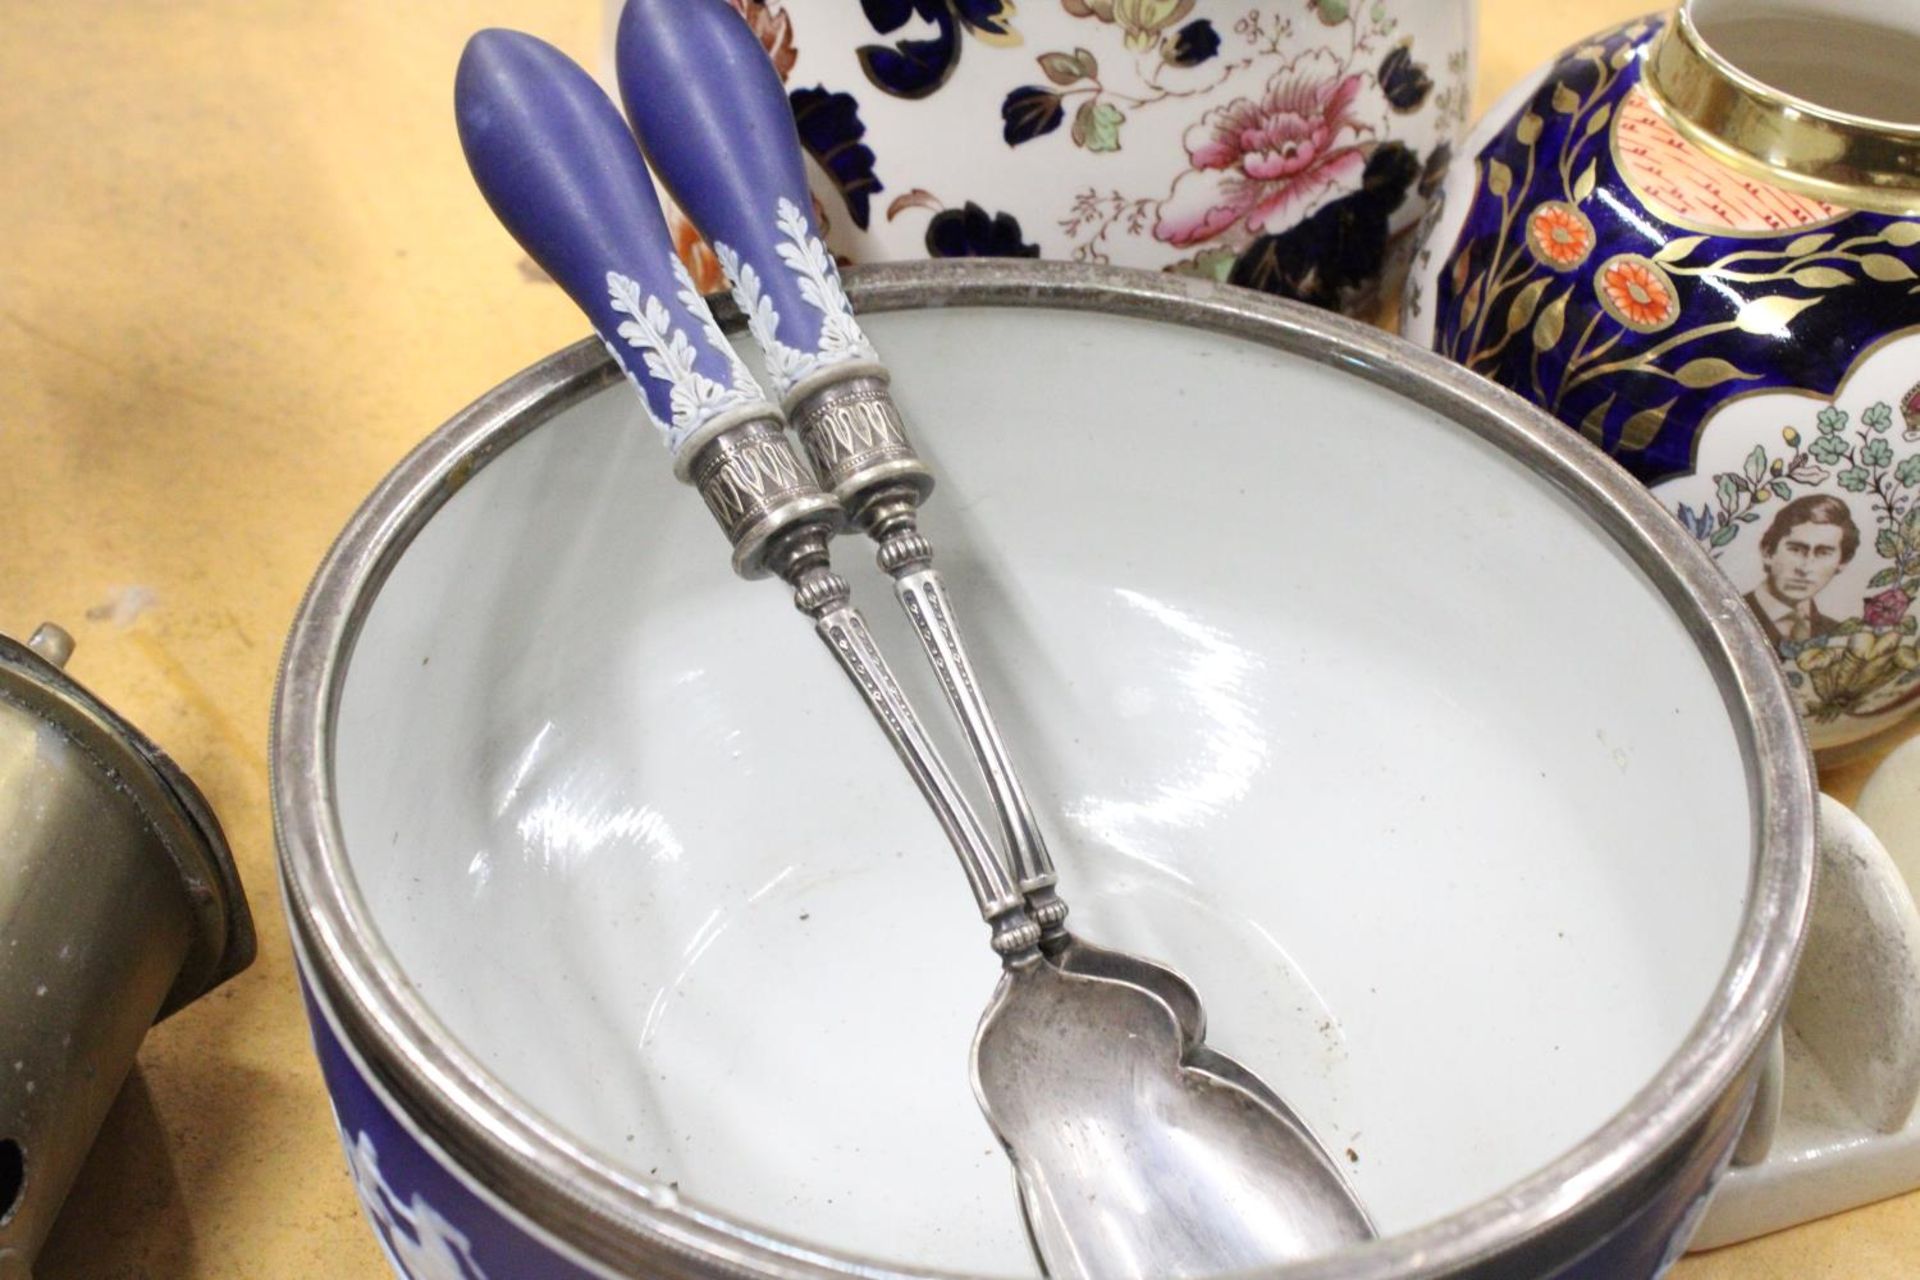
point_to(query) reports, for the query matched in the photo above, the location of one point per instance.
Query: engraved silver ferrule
(853, 432)
(757, 488)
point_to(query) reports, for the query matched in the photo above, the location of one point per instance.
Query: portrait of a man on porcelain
(1809, 540)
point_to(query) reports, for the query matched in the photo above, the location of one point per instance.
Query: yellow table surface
(242, 271)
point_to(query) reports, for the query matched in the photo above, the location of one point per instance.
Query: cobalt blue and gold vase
(1695, 239)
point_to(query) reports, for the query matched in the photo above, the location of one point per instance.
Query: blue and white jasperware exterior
(1695, 248)
(586, 875)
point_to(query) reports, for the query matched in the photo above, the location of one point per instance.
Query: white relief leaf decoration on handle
(738, 375)
(670, 359)
(625, 295)
(806, 258)
(693, 399)
(785, 365)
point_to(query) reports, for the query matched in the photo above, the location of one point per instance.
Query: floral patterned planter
(1287, 145)
(1744, 340)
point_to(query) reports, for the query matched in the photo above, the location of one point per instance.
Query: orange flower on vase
(1637, 292)
(1560, 235)
(697, 254)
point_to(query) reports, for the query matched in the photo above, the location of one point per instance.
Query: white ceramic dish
(1846, 1133)
(1364, 696)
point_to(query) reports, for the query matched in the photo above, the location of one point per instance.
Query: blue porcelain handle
(713, 119)
(555, 161)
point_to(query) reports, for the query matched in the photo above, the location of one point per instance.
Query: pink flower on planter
(1265, 161)
(1886, 609)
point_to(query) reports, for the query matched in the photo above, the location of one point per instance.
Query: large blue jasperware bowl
(598, 878)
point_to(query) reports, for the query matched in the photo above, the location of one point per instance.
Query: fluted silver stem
(853, 434)
(908, 557)
(823, 595)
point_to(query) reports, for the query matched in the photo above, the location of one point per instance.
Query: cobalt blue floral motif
(1631, 293)
(971, 232)
(1404, 81)
(1339, 247)
(915, 68)
(1028, 113)
(831, 130)
(1193, 44)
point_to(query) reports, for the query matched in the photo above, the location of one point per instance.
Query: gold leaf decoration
(1884, 266)
(1594, 425)
(1642, 427)
(1499, 178)
(1771, 317)
(1821, 277)
(1808, 244)
(1565, 100)
(1461, 265)
(1528, 130)
(1902, 235)
(1598, 120)
(1675, 250)
(1708, 372)
(1520, 314)
(1552, 324)
(1583, 186)
(1470, 305)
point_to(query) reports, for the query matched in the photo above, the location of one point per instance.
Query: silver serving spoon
(1233, 1177)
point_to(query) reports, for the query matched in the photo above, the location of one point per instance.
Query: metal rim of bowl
(622, 1220)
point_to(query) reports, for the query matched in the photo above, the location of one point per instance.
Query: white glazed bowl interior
(1323, 699)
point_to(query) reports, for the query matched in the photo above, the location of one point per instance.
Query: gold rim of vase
(1753, 128)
